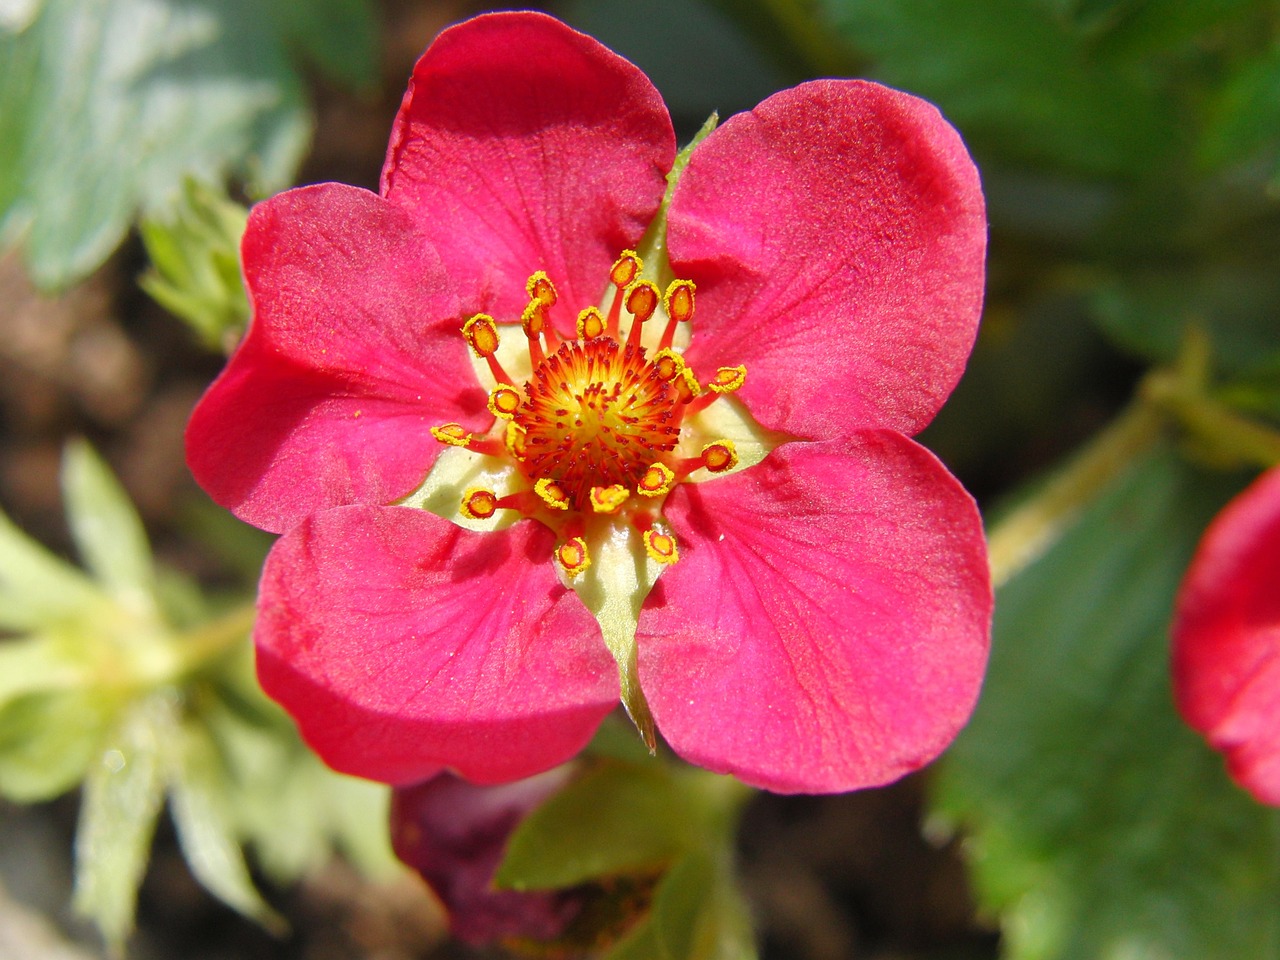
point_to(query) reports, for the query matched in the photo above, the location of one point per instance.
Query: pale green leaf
(201, 809)
(37, 588)
(107, 529)
(47, 741)
(123, 794)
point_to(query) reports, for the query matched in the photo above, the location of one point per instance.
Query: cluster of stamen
(594, 430)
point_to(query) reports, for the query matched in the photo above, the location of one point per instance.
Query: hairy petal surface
(827, 625)
(402, 643)
(523, 145)
(1226, 638)
(352, 356)
(837, 234)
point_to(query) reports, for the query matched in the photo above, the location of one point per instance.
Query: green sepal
(615, 819)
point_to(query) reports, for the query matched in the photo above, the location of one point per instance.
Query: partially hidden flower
(551, 362)
(455, 834)
(1226, 638)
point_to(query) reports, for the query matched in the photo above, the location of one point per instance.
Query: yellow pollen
(454, 434)
(668, 364)
(625, 269)
(687, 384)
(720, 456)
(727, 379)
(513, 440)
(534, 318)
(590, 324)
(642, 300)
(552, 494)
(661, 547)
(657, 480)
(482, 333)
(541, 288)
(479, 504)
(573, 556)
(609, 499)
(679, 300)
(504, 401)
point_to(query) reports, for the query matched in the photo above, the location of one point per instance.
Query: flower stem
(1028, 530)
(210, 641)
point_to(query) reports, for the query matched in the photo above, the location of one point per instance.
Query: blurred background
(1130, 153)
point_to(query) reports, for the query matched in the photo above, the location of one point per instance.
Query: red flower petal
(837, 235)
(523, 145)
(402, 643)
(827, 625)
(353, 355)
(1226, 638)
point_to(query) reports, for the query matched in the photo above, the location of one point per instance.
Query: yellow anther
(642, 300)
(727, 379)
(657, 480)
(504, 401)
(719, 456)
(534, 318)
(552, 494)
(482, 333)
(661, 547)
(541, 288)
(667, 364)
(479, 503)
(454, 434)
(679, 300)
(609, 499)
(590, 324)
(687, 385)
(573, 556)
(513, 439)
(625, 269)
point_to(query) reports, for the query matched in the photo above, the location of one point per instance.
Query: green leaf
(38, 589)
(1017, 79)
(1148, 312)
(1244, 119)
(697, 914)
(615, 819)
(47, 741)
(110, 105)
(202, 814)
(123, 794)
(1101, 825)
(107, 529)
(195, 265)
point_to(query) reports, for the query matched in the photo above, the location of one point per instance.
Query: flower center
(596, 428)
(596, 413)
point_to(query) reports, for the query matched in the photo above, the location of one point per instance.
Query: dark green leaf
(1016, 79)
(1101, 825)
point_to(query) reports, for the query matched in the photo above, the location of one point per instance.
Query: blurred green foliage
(127, 678)
(108, 106)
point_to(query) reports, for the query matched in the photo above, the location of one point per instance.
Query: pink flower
(469, 575)
(1226, 638)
